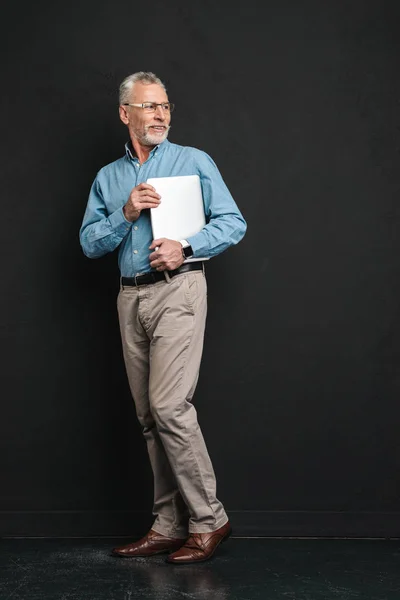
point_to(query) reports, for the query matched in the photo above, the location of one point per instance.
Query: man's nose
(159, 113)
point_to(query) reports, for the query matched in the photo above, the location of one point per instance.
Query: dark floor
(243, 569)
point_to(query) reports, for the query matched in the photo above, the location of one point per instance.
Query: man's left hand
(168, 256)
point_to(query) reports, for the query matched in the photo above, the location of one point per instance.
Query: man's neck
(142, 152)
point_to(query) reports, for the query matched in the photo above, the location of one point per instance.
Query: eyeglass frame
(142, 105)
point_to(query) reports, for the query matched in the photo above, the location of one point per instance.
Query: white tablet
(181, 212)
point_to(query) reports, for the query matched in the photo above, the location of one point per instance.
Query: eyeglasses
(151, 107)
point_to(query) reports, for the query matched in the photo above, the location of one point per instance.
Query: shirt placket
(141, 177)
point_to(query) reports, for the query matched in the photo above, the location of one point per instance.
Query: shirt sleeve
(101, 232)
(225, 223)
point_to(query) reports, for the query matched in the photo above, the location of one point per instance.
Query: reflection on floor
(243, 569)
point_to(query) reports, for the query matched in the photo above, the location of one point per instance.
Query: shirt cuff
(199, 245)
(119, 224)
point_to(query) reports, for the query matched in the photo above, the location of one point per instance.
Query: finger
(145, 186)
(156, 264)
(152, 199)
(141, 187)
(157, 242)
(143, 205)
(149, 194)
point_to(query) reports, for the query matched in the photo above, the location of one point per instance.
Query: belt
(155, 276)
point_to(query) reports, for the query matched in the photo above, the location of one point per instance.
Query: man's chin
(154, 140)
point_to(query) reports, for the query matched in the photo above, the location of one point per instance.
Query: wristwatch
(187, 250)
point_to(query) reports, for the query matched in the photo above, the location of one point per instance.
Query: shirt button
(136, 228)
(135, 252)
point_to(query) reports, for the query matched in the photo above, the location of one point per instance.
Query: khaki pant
(162, 329)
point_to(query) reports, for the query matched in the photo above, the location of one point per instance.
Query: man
(162, 308)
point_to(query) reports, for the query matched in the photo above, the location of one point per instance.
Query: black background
(299, 105)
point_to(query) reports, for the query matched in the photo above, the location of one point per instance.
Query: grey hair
(144, 77)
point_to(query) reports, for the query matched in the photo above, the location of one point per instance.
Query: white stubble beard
(153, 140)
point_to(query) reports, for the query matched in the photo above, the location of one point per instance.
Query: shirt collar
(130, 154)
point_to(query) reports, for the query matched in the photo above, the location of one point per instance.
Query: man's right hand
(142, 196)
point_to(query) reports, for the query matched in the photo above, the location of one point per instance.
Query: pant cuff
(207, 528)
(177, 534)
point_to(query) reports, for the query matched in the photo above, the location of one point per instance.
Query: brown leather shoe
(200, 546)
(152, 543)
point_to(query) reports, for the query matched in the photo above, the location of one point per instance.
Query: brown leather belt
(155, 276)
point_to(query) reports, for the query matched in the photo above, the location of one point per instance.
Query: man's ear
(123, 115)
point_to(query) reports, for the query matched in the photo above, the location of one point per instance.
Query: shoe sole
(190, 562)
(143, 555)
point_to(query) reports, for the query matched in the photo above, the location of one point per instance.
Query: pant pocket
(190, 291)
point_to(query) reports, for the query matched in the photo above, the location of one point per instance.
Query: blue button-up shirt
(104, 226)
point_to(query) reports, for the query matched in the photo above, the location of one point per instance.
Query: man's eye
(165, 106)
(149, 106)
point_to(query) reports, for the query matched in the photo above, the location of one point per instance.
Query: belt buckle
(135, 278)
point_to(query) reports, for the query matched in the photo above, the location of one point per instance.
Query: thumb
(156, 243)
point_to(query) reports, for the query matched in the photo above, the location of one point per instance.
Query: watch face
(188, 251)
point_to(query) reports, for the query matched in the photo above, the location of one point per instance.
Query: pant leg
(169, 508)
(176, 329)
